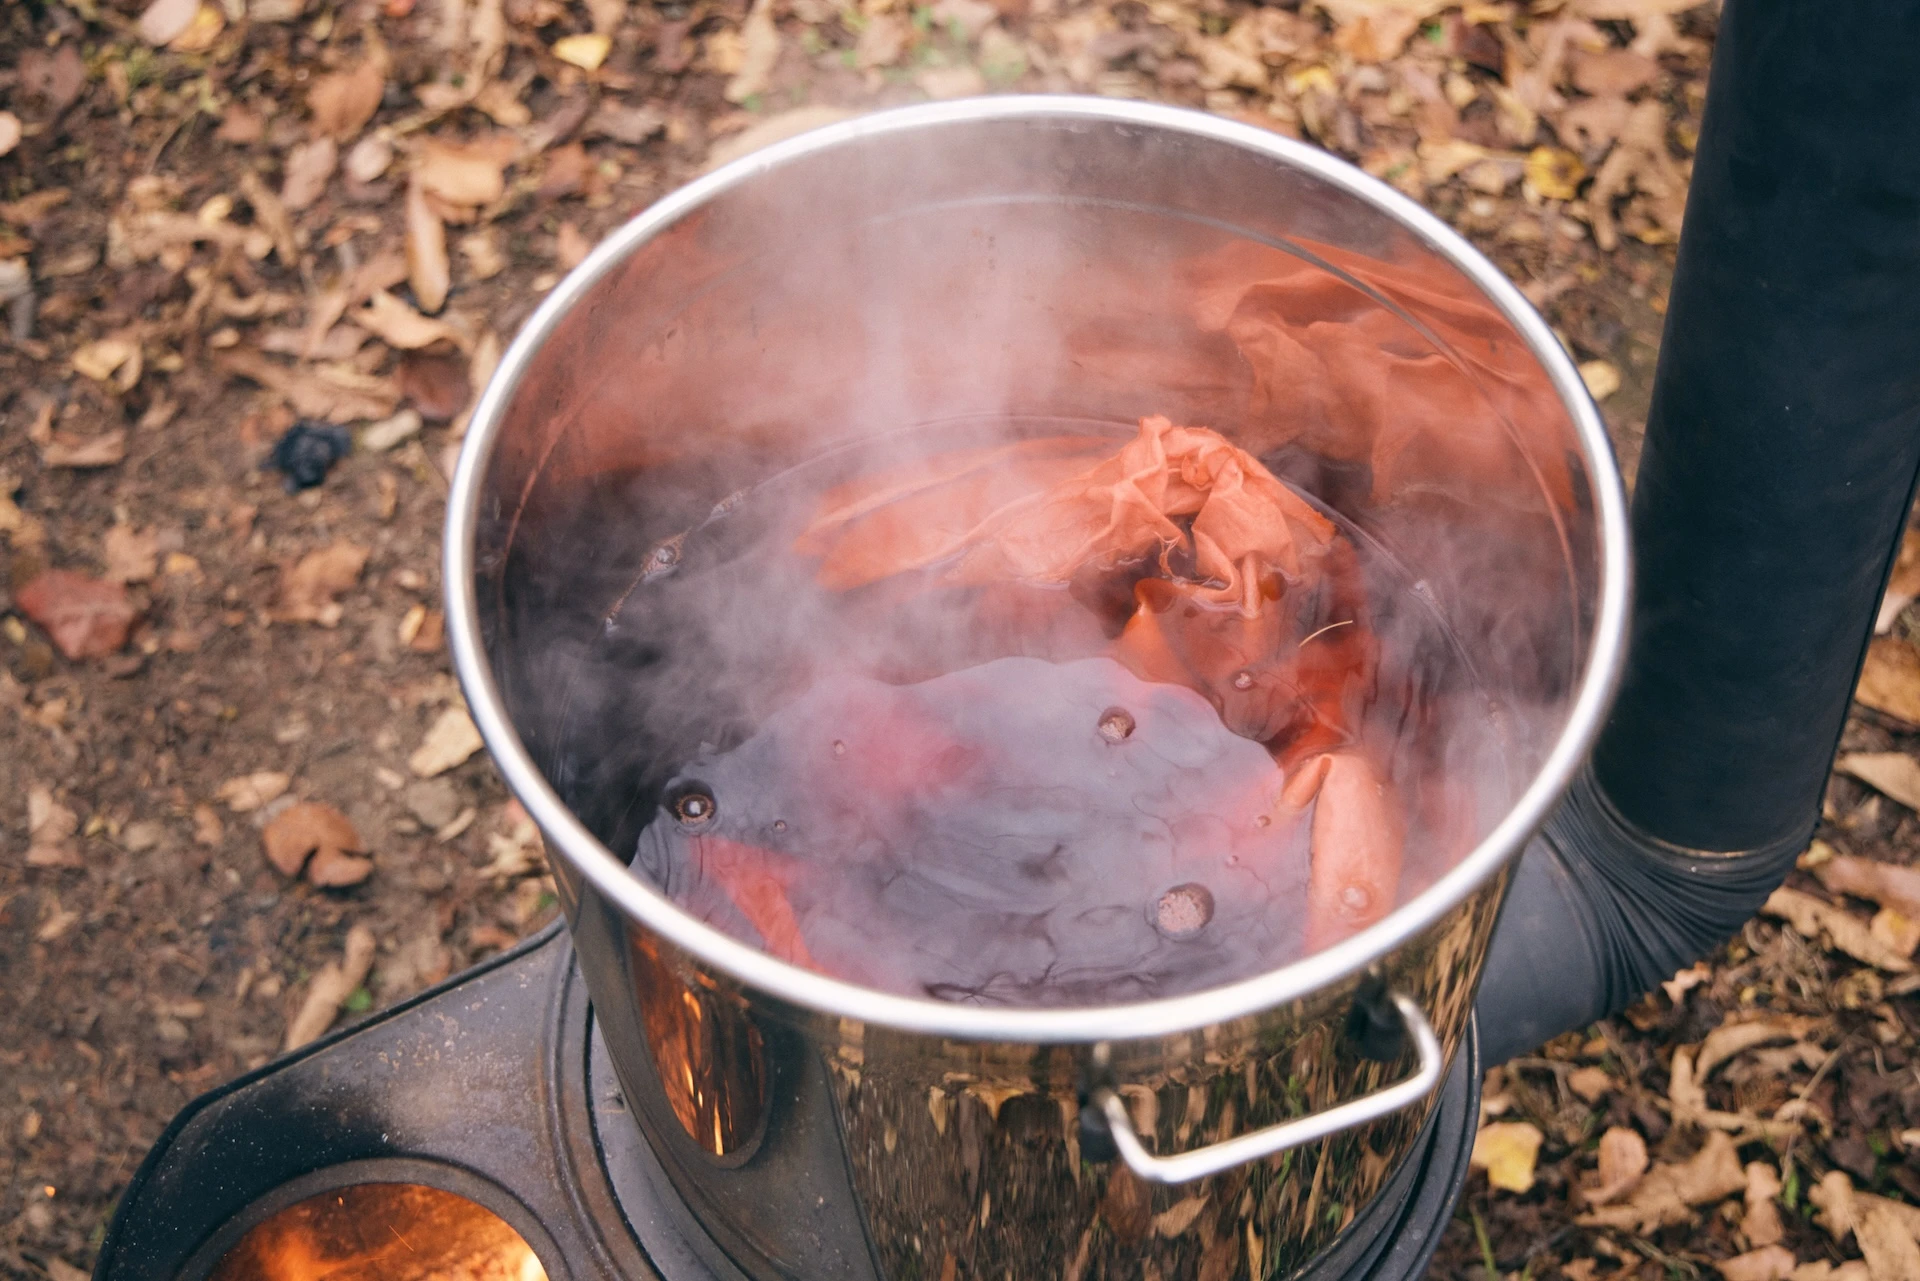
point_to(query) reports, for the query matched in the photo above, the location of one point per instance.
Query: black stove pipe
(1779, 468)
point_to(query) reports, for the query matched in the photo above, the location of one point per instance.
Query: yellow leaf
(1554, 172)
(1601, 377)
(99, 359)
(1507, 1150)
(204, 28)
(584, 52)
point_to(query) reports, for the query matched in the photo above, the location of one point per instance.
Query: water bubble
(1263, 820)
(1243, 680)
(779, 824)
(694, 807)
(1357, 899)
(1184, 910)
(1116, 724)
(839, 748)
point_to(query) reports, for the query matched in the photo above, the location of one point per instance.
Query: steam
(663, 624)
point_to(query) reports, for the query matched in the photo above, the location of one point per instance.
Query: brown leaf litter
(85, 617)
(330, 989)
(309, 586)
(318, 840)
(1668, 1193)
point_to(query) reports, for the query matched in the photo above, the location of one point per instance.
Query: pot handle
(1201, 1162)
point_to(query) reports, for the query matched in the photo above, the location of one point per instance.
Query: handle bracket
(1185, 1167)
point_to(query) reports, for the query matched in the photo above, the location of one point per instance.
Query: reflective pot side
(1050, 261)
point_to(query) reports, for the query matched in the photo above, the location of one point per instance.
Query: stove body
(495, 1087)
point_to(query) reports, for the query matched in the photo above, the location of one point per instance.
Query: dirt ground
(221, 219)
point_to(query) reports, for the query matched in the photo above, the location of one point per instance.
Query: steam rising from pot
(667, 625)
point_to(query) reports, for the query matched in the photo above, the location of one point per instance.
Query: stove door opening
(381, 1232)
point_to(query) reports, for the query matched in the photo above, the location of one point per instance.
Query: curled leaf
(85, 617)
(428, 269)
(319, 840)
(398, 325)
(343, 101)
(308, 587)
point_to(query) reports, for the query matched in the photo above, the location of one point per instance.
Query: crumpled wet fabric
(1242, 561)
(1004, 831)
(1399, 365)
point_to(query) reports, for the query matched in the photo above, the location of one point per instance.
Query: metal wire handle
(1201, 1162)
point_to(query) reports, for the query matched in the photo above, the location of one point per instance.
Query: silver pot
(1072, 259)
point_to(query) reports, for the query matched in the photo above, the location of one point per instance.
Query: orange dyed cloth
(1245, 564)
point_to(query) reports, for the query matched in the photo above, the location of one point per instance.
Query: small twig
(1329, 627)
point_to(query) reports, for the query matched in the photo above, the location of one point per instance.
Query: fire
(382, 1232)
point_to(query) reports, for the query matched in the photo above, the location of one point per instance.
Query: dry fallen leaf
(570, 247)
(85, 617)
(1685, 981)
(759, 51)
(270, 216)
(1891, 885)
(1811, 918)
(336, 392)
(1507, 1150)
(1768, 1263)
(1833, 1198)
(249, 792)
(1639, 164)
(1667, 1194)
(1555, 174)
(1623, 1159)
(166, 20)
(586, 52)
(1893, 774)
(1888, 1244)
(398, 325)
(208, 830)
(451, 740)
(68, 450)
(368, 158)
(50, 830)
(1890, 679)
(104, 357)
(10, 132)
(308, 587)
(1896, 931)
(343, 101)
(461, 174)
(1762, 1225)
(1731, 1039)
(131, 556)
(1590, 1083)
(428, 270)
(202, 30)
(310, 167)
(1602, 378)
(330, 989)
(318, 839)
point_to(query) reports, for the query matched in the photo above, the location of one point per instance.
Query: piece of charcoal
(307, 451)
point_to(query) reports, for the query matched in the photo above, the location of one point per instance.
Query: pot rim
(1165, 1016)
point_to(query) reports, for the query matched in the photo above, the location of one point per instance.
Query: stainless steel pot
(1058, 258)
